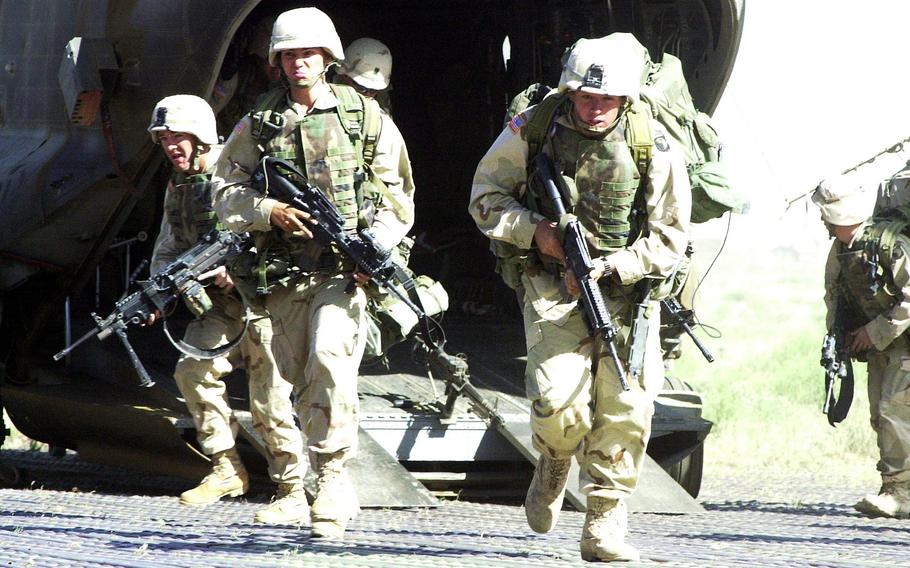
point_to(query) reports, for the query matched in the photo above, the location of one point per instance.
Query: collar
(324, 101)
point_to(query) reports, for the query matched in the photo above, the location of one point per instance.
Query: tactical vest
(603, 175)
(334, 148)
(188, 207)
(603, 181)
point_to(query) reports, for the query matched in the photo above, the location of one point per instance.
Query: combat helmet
(842, 201)
(184, 113)
(610, 65)
(368, 63)
(301, 28)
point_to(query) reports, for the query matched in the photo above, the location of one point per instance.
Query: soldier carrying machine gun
(161, 290)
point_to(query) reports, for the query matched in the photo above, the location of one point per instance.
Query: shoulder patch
(517, 122)
(660, 142)
(240, 126)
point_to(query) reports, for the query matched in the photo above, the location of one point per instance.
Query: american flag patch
(517, 122)
(240, 127)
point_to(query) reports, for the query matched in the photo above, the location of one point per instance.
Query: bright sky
(817, 87)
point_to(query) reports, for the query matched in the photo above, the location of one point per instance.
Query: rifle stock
(838, 369)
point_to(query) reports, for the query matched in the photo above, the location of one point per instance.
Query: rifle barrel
(67, 350)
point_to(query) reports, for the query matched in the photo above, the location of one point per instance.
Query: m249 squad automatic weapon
(161, 290)
(282, 181)
(578, 260)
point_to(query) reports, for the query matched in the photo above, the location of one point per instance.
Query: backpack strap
(639, 136)
(360, 119)
(267, 116)
(538, 126)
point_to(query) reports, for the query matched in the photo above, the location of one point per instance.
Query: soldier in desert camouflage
(354, 153)
(184, 127)
(635, 213)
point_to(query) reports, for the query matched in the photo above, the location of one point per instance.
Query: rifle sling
(838, 411)
(410, 286)
(203, 353)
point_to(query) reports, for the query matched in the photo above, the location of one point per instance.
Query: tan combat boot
(544, 499)
(289, 507)
(228, 478)
(336, 501)
(604, 534)
(892, 501)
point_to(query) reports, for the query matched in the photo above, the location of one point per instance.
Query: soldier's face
(179, 148)
(596, 110)
(303, 67)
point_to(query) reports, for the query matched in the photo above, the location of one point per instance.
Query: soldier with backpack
(867, 272)
(628, 188)
(355, 154)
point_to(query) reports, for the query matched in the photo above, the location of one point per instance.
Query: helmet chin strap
(597, 130)
(310, 83)
(199, 150)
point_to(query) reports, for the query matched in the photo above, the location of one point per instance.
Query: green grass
(764, 390)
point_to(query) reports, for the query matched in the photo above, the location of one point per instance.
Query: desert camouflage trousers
(320, 333)
(205, 393)
(889, 405)
(575, 411)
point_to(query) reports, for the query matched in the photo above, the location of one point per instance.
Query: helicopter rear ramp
(399, 413)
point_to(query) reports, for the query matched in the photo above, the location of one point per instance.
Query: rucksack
(885, 227)
(665, 97)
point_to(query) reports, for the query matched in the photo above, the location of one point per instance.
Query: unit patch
(660, 142)
(517, 122)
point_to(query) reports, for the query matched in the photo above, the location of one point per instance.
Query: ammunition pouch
(511, 262)
(196, 299)
(256, 274)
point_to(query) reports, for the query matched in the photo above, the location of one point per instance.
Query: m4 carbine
(675, 316)
(282, 181)
(578, 260)
(161, 290)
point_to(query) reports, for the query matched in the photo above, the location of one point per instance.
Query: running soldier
(634, 208)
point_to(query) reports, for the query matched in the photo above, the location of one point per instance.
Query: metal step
(380, 481)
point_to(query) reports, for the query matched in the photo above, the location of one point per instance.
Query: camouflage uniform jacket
(886, 313)
(501, 178)
(242, 208)
(188, 213)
